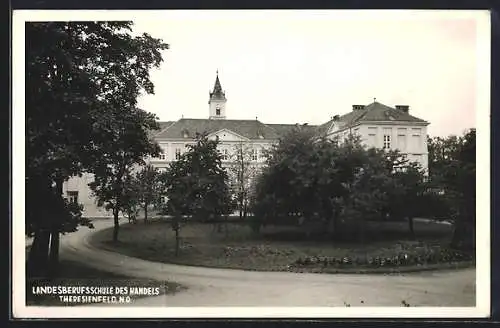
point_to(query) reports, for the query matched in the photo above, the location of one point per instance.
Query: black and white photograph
(250, 163)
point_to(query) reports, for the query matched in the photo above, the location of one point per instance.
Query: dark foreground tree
(73, 71)
(329, 182)
(452, 170)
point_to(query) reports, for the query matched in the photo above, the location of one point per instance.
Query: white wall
(85, 197)
(407, 138)
(213, 108)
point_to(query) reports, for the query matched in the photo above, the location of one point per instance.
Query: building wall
(213, 108)
(409, 139)
(85, 197)
(228, 142)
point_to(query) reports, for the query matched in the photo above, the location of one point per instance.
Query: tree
(452, 168)
(74, 71)
(128, 145)
(131, 197)
(60, 97)
(340, 164)
(196, 184)
(409, 194)
(242, 173)
(148, 185)
(328, 181)
(368, 188)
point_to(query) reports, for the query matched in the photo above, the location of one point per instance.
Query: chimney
(358, 107)
(403, 108)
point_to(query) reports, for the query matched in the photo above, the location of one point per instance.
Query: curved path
(227, 287)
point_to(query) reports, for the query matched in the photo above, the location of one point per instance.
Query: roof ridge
(167, 127)
(361, 116)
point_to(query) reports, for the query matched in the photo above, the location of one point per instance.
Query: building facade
(385, 127)
(378, 126)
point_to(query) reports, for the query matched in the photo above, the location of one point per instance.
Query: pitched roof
(217, 93)
(323, 128)
(283, 129)
(251, 129)
(377, 112)
(163, 125)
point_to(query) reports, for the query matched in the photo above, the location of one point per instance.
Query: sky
(307, 66)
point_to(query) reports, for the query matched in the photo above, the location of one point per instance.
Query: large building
(254, 135)
(378, 126)
(381, 126)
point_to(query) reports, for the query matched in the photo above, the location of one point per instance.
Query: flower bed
(417, 257)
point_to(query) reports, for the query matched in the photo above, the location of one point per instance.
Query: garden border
(444, 266)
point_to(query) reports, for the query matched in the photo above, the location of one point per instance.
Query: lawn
(280, 248)
(75, 274)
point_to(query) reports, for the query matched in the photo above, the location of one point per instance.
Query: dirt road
(226, 287)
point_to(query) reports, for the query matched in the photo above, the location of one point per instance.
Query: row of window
(254, 155)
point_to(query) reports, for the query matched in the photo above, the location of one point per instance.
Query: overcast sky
(299, 66)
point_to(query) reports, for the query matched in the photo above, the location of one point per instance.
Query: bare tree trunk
(226, 219)
(116, 226)
(39, 253)
(177, 240)
(410, 225)
(245, 210)
(145, 212)
(54, 252)
(55, 231)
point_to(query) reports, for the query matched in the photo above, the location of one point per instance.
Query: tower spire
(217, 100)
(217, 91)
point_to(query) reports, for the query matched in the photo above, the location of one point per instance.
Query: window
(401, 142)
(225, 156)
(73, 197)
(372, 139)
(177, 153)
(416, 141)
(254, 154)
(387, 141)
(217, 110)
(163, 156)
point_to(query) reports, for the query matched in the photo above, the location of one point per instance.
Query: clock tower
(217, 101)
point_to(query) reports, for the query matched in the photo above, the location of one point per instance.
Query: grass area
(276, 248)
(75, 274)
